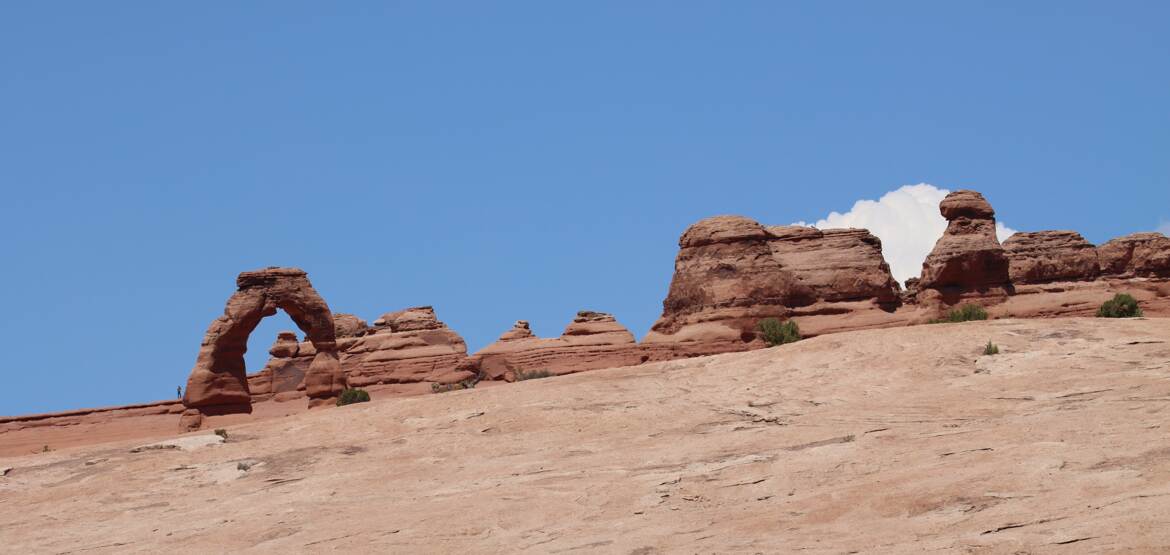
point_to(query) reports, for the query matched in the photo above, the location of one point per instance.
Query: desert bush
(774, 332)
(521, 375)
(221, 433)
(991, 348)
(351, 396)
(1122, 305)
(965, 313)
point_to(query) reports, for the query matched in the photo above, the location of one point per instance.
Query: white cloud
(906, 220)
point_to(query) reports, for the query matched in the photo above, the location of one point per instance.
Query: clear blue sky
(507, 161)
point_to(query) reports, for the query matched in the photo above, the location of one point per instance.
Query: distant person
(179, 392)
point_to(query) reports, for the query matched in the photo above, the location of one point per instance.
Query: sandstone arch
(218, 383)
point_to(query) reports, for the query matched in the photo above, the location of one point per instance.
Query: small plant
(991, 348)
(45, 449)
(775, 332)
(221, 433)
(351, 396)
(1122, 305)
(965, 313)
(532, 375)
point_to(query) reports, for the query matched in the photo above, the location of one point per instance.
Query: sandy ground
(900, 440)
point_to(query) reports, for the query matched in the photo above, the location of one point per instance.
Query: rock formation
(348, 325)
(406, 346)
(1136, 255)
(1047, 256)
(591, 341)
(218, 384)
(731, 272)
(836, 264)
(967, 261)
(283, 376)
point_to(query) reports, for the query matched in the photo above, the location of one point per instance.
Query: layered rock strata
(406, 346)
(593, 340)
(402, 347)
(731, 272)
(1047, 256)
(1136, 255)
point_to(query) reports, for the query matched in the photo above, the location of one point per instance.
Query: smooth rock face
(1046, 256)
(731, 272)
(218, 384)
(968, 259)
(592, 340)
(1136, 255)
(406, 346)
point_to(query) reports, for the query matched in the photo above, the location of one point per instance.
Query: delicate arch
(218, 384)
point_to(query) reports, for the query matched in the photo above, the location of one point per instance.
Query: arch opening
(218, 384)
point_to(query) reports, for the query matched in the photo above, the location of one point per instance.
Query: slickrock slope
(900, 440)
(31, 433)
(1046, 256)
(592, 340)
(731, 272)
(967, 261)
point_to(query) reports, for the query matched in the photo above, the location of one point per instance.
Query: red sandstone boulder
(348, 325)
(967, 261)
(1046, 256)
(410, 319)
(1136, 255)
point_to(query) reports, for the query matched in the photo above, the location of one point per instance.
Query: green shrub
(965, 313)
(1121, 305)
(221, 433)
(775, 332)
(350, 396)
(532, 375)
(991, 348)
